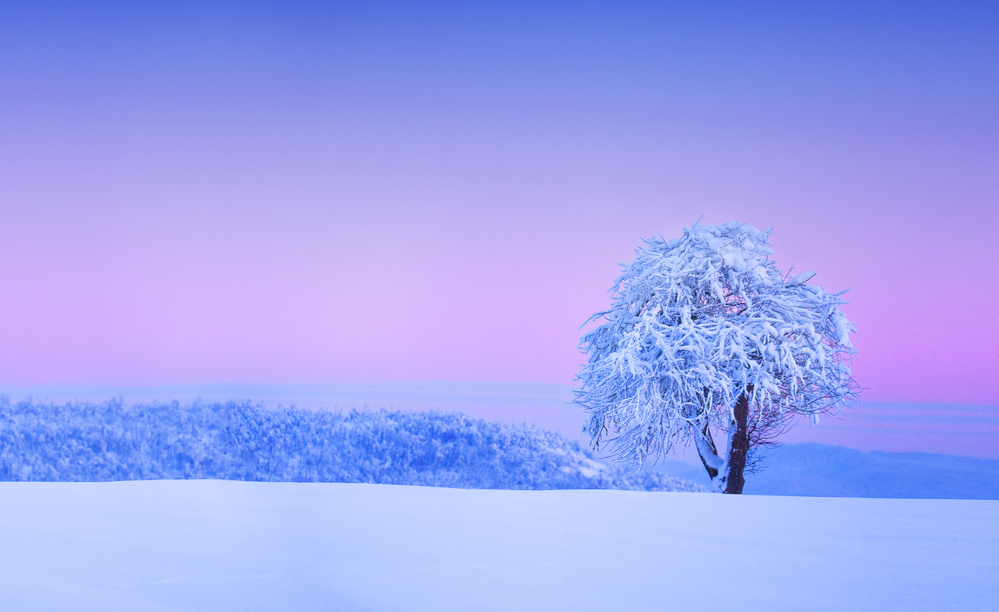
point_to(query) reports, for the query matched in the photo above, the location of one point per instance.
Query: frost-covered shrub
(239, 441)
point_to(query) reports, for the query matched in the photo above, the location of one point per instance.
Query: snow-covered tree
(705, 334)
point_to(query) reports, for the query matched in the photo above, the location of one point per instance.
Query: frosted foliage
(239, 441)
(698, 321)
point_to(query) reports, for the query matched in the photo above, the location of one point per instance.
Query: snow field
(225, 545)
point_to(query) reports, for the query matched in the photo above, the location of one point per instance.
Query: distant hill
(241, 441)
(820, 470)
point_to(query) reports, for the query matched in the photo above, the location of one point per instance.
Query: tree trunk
(711, 450)
(738, 447)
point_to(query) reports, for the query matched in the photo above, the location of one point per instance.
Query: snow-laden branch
(697, 322)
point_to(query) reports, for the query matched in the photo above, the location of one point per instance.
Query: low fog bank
(834, 471)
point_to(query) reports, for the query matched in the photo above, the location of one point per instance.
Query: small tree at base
(705, 334)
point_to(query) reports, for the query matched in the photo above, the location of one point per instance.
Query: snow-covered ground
(224, 545)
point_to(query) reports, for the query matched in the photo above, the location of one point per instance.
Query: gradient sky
(393, 192)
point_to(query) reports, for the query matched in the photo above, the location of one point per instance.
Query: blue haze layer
(822, 470)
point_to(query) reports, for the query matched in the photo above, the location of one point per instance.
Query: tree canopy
(702, 329)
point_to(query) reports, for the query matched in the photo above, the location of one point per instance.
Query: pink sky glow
(255, 202)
